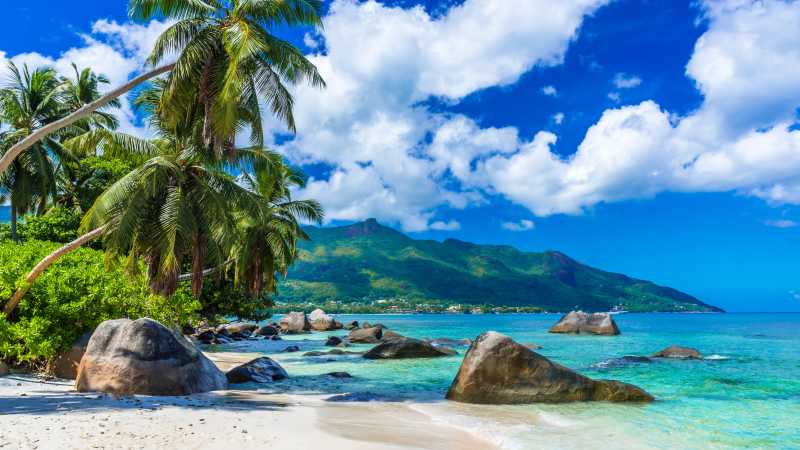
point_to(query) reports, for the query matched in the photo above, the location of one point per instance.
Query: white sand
(51, 415)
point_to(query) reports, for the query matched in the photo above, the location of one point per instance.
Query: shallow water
(745, 393)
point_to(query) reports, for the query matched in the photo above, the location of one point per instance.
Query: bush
(73, 296)
(59, 224)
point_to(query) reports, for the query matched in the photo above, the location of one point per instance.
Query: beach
(38, 414)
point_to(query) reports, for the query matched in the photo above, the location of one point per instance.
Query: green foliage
(73, 296)
(57, 225)
(223, 298)
(392, 269)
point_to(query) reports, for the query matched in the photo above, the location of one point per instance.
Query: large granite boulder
(259, 370)
(323, 322)
(241, 328)
(678, 352)
(498, 370)
(579, 322)
(365, 335)
(65, 365)
(144, 357)
(294, 322)
(403, 348)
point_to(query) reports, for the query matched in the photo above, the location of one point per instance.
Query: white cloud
(615, 97)
(310, 41)
(112, 49)
(550, 91)
(558, 118)
(522, 225)
(625, 81)
(781, 223)
(380, 62)
(451, 225)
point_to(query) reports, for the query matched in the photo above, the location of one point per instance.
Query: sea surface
(5, 213)
(745, 393)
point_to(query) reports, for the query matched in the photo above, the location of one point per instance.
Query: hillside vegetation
(367, 263)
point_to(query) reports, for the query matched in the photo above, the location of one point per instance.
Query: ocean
(745, 393)
(5, 213)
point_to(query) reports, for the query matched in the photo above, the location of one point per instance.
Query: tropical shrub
(72, 297)
(57, 225)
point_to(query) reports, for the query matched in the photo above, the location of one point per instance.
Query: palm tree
(30, 100)
(226, 57)
(266, 247)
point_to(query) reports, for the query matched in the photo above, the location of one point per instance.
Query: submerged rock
(333, 341)
(678, 352)
(66, 364)
(294, 322)
(339, 375)
(259, 370)
(266, 330)
(579, 322)
(404, 348)
(370, 335)
(623, 361)
(144, 357)
(498, 370)
(291, 349)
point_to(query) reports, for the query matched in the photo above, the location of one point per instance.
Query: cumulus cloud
(451, 225)
(522, 225)
(558, 118)
(112, 49)
(393, 158)
(625, 81)
(550, 91)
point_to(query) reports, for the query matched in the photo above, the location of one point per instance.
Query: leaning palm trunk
(45, 263)
(84, 111)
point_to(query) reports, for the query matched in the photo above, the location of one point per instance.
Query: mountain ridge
(367, 262)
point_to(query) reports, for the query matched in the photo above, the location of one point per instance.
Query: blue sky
(653, 138)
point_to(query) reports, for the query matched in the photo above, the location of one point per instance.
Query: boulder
(294, 322)
(365, 335)
(404, 348)
(389, 335)
(352, 325)
(333, 341)
(266, 330)
(241, 328)
(65, 365)
(291, 349)
(678, 352)
(206, 337)
(323, 322)
(3, 369)
(144, 357)
(339, 375)
(259, 370)
(579, 322)
(498, 370)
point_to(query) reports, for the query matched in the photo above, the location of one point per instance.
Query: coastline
(52, 415)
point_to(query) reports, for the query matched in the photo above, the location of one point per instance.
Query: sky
(655, 138)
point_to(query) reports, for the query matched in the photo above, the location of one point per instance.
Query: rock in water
(678, 352)
(352, 325)
(404, 348)
(66, 364)
(333, 341)
(365, 335)
(266, 330)
(579, 322)
(497, 370)
(294, 322)
(144, 357)
(389, 335)
(259, 370)
(241, 328)
(323, 322)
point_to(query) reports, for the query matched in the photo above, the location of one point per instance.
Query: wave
(717, 358)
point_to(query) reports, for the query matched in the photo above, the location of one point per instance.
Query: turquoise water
(5, 214)
(744, 394)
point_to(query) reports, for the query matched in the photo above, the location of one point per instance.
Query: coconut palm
(226, 56)
(28, 101)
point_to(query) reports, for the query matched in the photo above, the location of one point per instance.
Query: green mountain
(367, 262)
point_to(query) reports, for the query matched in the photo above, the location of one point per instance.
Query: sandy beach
(39, 414)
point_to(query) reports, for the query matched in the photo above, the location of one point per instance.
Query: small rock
(369, 335)
(291, 349)
(678, 352)
(333, 341)
(266, 330)
(579, 322)
(404, 348)
(259, 370)
(339, 375)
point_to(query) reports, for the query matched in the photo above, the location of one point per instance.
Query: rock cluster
(498, 370)
(579, 322)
